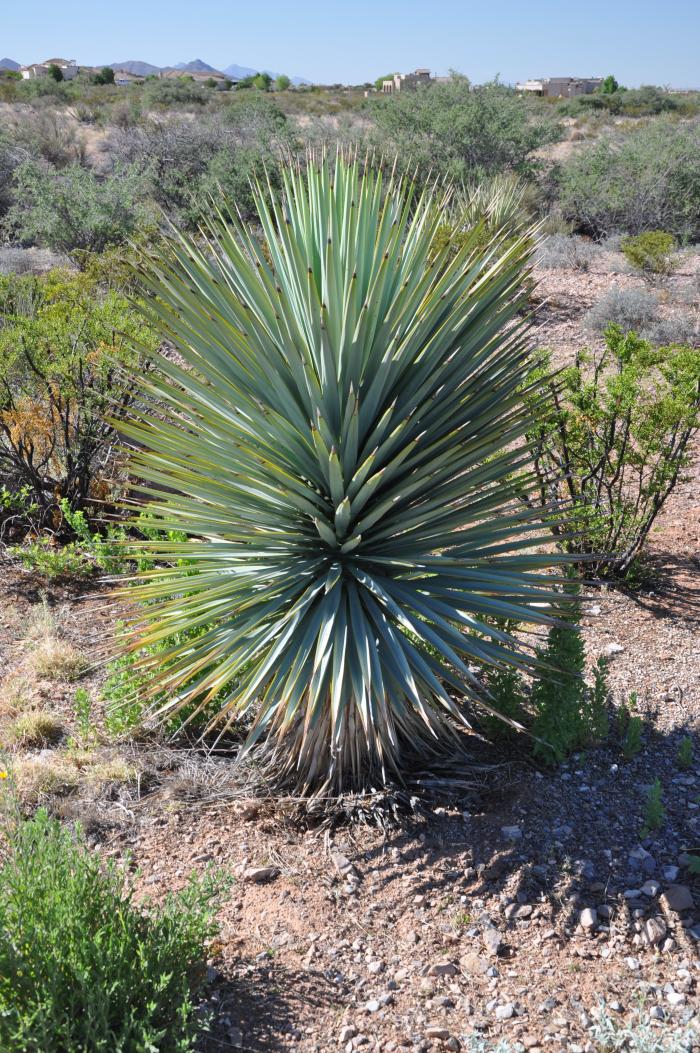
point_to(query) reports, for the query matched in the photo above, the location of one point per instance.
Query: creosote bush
(65, 340)
(630, 309)
(82, 965)
(348, 478)
(651, 253)
(613, 443)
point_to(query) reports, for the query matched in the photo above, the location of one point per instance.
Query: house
(406, 81)
(560, 87)
(122, 76)
(67, 67)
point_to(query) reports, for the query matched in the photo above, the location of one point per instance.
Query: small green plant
(654, 811)
(53, 561)
(684, 757)
(82, 707)
(640, 1034)
(567, 713)
(651, 253)
(599, 700)
(632, 738)
(82, 965)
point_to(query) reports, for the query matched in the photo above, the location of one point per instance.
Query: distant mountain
(239, 72)
(196, 66)
(139, 69)
(8, 63)
(145, 69)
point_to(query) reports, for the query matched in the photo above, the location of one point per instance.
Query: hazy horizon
(641, 43)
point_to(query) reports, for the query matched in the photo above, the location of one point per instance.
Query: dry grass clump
(109, 771)
(36, 729)
(55, 659)
(35, 778)
(52, 656)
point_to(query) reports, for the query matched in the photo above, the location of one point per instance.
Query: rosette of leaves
(340, 442)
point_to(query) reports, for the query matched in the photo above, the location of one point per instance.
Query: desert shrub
(174, 91)
(183, 162)
(45, 135)
(651, 253)
(560, 250)
(679, 328)
(328, 474)
(646, 180)
(12, 155)
(462, 130)
(64, 342)
(620, 426)
(74, 209)
(630, 309)
(82, 965)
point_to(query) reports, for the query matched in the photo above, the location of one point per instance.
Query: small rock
(655, 930)
(346, 1033)
(505, 1012)
(437, 1031)
(492, 940)
(588, 918)
(675, 997)
(235, 1037)
(474, 964)
(657, 1013)
(260, 875)
(678, 898)
(442, 968)
(671, 873)
(375, 967)
(694, 932)
(512, 833)
(373, 1006)
(612, 649)
(651, 888)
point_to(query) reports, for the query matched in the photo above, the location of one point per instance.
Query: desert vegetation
(348, 537)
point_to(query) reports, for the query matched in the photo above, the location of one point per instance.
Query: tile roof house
(67, 67)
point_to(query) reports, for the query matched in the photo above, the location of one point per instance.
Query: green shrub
(620, 424)
(654, 811)
(460, 130)
(64, 342)
(684, 757)
(646, 180)
(174, 91)
(76, 210)
(82, 965)
(53, 561)
(651, 253)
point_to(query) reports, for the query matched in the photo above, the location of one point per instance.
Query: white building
(67, 67)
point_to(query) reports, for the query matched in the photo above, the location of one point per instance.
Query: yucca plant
(341, 444)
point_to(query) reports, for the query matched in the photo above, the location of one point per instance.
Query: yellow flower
(3, 774)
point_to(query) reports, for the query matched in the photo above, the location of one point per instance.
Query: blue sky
(647, 41)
